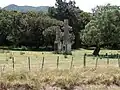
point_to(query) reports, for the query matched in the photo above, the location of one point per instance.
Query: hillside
(26, 8)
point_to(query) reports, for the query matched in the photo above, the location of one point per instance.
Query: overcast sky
(85, 5)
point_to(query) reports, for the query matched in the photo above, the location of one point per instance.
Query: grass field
(104, 77)
(21, 59)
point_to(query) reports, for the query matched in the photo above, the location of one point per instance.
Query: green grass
(21, 59)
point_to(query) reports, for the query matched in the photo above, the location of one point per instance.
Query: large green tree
(77, 18)
(104, 29)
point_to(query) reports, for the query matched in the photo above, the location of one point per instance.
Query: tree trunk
(77, 41)
(96, 51)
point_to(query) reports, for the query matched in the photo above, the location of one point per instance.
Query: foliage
(28, 29)
(37, 29)
(104, 29)
(50, 35)
(77, 18)
(25, 28)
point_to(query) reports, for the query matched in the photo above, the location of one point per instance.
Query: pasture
(24, 60)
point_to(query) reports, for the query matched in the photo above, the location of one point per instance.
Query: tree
(17, 27)
(104, 29)
(5, 26)
(68, 10)
(50, 35)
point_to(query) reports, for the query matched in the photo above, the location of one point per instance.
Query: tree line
(100, 28)
(25, 29)
(37, 29)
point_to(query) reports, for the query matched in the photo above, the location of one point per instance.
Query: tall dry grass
(65, 79)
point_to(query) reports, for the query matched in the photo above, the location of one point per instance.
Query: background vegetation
(37, 29)
(31, 29)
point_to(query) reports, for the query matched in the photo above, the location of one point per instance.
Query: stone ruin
(63, 41)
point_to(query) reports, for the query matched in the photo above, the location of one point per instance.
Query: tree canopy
(104, 29)
(77, 18)
(37, 29)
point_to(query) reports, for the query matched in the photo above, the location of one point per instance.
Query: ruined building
(63, 42)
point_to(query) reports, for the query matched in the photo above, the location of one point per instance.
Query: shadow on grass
(28, 49)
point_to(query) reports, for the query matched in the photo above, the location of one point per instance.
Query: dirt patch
(84, 87)
(4, 86)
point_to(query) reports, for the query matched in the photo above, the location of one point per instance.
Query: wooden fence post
(13, 62)
(29, 64)
(107, 59)
(1, 71)
(96, 64)
(71, 64)
(118, 60)
(84, 62)
(57, 62)
(43, 63)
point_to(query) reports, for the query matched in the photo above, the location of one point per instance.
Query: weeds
(64, 78)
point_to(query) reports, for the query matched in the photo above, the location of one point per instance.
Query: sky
(85, 5)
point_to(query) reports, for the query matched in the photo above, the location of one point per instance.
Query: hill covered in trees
(14, 7)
